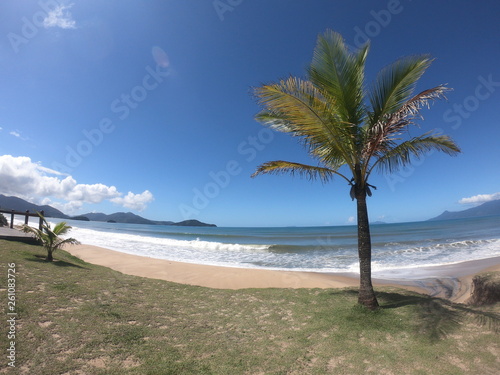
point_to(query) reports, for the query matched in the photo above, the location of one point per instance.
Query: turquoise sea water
(320, 249)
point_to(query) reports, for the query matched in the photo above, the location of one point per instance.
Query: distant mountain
(81, 218)
(491, 208)
(18, 204)
(118, 217)
(130, 218)
(192, 223)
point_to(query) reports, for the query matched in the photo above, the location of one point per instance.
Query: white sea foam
(389, 258)
(193, 251)
(259, 256)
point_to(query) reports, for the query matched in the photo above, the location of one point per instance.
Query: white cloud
(21, 177)
(51, 171)
(479, 199)
(69, 207)
(134, 201)
(60, 17)
(16, 134)
(351, 220)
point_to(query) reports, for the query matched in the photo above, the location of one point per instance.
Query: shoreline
(452, 281)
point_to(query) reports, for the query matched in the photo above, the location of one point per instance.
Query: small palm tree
(49, 238)
(342, 123)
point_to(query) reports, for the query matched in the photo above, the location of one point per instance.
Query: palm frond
(294, 106)
(61, 228)
(28, 229)
(61, 242)
(340, 73)
(402, 154)
(37, 233)
(297, 107)
(285, 167)
(411, 108)
(395, 84)
(274, 120)
(380, 136)
(395, 122)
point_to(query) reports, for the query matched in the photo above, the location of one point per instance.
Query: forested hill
(18, 204)
(491, 208)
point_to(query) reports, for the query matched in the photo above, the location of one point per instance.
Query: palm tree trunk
(49, 256)
(366, 295)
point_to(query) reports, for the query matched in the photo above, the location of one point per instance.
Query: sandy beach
(450, 281)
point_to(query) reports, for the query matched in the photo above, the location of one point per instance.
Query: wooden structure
(26, 215)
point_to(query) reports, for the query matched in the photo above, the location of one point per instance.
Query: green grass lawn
(77, 318)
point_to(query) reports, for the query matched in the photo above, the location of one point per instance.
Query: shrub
(3, 221)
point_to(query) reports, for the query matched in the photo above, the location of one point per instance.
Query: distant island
(18, 204)
(491, 208)
(80, 217)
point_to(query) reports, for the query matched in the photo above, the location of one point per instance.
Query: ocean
(399, 246)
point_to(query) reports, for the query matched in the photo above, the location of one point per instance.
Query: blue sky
(146, 106)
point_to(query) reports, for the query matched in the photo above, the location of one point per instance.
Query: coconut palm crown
(352, 130)
(49, 238)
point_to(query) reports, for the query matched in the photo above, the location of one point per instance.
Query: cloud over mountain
(481, 198)
(21, 177)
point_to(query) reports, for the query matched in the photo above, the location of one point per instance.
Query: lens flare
(160, 57)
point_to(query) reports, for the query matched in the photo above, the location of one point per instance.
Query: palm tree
(49, 238)
(343, 124)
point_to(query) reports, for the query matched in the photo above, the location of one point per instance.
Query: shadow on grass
(483, 318)
(437, 317)
(395, 300)
(392, 300)
(433, 318)
(57, 263)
